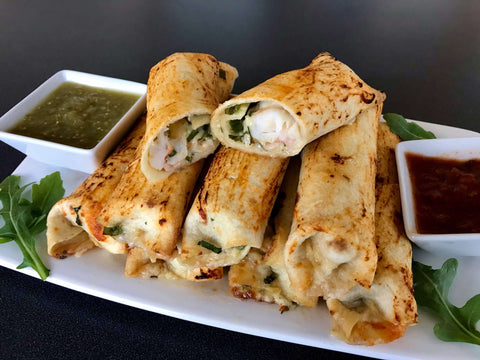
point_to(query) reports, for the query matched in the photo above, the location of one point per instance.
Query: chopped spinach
(209, 246)
(77, 219)
(112, 230)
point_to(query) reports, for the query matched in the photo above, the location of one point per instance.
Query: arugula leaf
(24, 219)
(406, 130)
(431, 290)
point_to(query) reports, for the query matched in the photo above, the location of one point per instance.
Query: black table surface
(423, 54)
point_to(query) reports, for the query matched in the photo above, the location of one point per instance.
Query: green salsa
(76, 115)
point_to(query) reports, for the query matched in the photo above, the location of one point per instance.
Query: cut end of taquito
(182, 92)
(283, 114)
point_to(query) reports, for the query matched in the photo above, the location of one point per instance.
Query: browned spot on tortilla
(338, 159)
(339, 245)
(243, 292)
(162, 221)
(206, 274)
(202, 214)
(367, 98)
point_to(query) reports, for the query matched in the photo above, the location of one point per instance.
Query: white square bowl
(452, 148)
(85, 160)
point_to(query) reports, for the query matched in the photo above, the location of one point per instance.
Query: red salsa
(446, 194)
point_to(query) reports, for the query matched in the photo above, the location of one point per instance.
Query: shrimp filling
(183, 142)
(264, 124)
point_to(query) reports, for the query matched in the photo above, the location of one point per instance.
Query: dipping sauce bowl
(73, 119)
(440, 191)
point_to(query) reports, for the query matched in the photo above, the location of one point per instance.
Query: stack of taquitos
(323, 241)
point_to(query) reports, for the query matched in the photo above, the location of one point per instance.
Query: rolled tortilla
(262, 274)
(230, 212)
(140, 265)
(149, 214)
(331, 247)
(383, 313)
(283, 114)
(71, 225)
(182, 92)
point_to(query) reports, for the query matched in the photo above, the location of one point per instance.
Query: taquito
(231, 210)
(383, 313)
(182, 92)
(71, 225)
(262, 274)
(149, 213)
(331, 247)
(281, 115)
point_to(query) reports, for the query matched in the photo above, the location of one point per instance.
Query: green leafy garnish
(222, 74)
(209, 246)
(192, 134)
(113, 230)
(406, 130)
(172, 153)
(189, 158)
(431, 290)
(24, 219)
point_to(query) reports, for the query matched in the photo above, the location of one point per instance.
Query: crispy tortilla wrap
(149, 214)
(230, 212)
(331, 247)
(262, 274)
(140, 265)
(71, 225)
(182, 92)
(283, 114)
(383, 313)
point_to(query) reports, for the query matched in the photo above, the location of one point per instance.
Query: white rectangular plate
(101, 274)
